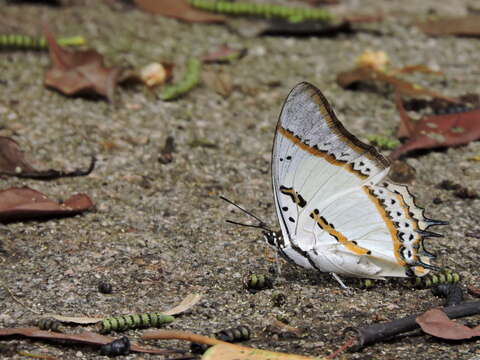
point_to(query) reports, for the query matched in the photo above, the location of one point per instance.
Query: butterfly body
(337, 211)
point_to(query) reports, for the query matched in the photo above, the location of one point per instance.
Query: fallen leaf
(461, 26)
(224, 54)
(436, 130)
(219, 82)
(187, 303)
(179, 9)
(234, 352)
(79, 72)
(13, 163)
(25, 203)
(350, 79)
(85, 337)
(225, 350)
(436, 323)
(280, 328)
(82, 320)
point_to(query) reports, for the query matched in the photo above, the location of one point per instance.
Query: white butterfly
(337, 212)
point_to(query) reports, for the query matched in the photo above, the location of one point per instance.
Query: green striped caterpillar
(443, 277)
(255, 282)
(126, 322)
(292, 14)
(190, 79)
(233, 335)
(16, 41)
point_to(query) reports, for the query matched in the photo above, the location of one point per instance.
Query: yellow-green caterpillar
(190, 79)
(443, 277)
(255, 282)
(293, 14)
(125, 322)
(16, 41)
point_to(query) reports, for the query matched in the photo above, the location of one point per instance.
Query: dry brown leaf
(187, 303)
(461, 26)
(219, 82)
(349, 79)
(13, 163)
(235, 352)
(279, 327)
(82, 320)
(224, 54)
(85, 337)
(25, 203)
(225, 350)
(435, 322)
(79, 72)
(436, 130)
(179, 9)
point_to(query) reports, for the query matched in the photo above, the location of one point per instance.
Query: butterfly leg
(277, 263)
(336, 277)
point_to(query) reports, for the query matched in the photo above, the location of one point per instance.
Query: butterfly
(337, 211)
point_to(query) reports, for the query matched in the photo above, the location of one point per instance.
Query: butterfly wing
(331, 211)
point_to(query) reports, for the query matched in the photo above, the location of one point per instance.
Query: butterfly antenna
(261, 223)
(258, 226)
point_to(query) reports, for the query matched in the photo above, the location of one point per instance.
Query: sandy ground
(159, 231)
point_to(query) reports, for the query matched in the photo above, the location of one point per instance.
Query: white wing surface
(336, 211)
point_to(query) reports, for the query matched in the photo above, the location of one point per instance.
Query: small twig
(52, 174)
(17, 300)
(378, 332)
(345, 346)
(36, 356)
(182, 335)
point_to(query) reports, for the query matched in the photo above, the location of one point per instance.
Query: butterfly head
(273, 238)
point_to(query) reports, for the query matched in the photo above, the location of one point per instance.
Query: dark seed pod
(236, 334)
(50, 324)
(255, 282)
(105, 287)
(452, 293)
(125, 322)
(116, 347)
(445, 276)
(233, 335)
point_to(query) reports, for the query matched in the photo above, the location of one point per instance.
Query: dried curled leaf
(436, 130)
(13, 163)
(349, 79)
(85, 337)
(234, 352)
(79, 72)
(435, 322)
(461, 26)
(25, 203)
(187, 303)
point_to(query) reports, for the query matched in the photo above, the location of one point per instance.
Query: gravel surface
(158, 232)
